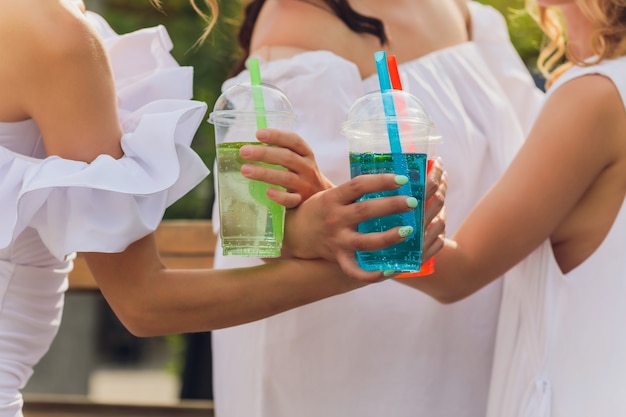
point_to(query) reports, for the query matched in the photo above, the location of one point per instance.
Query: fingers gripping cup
(367, 130)
(250, 223)
(428, 266)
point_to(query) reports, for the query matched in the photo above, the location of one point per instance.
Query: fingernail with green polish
(389, 273)
(405, 231)
(401, 179)
(411, 202)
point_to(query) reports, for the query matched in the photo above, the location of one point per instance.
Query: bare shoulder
(44, 27)
(297, 24)
(58, 74)
(37, 36)
(43, 44)
(588, 106)
(592, 94)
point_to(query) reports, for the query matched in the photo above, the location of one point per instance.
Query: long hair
(608, 40)
(355, 21)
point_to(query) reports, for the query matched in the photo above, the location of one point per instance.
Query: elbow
(131, 282)
(139, 322)
(450, 295)
(444, 294)
(448, 298)
(140, 319)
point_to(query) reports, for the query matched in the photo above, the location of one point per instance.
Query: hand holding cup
(324, 224)
(300, 177)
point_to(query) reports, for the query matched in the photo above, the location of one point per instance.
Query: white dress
(51, 207)
(386, 350)
(561, 346)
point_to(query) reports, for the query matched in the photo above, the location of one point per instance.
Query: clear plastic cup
(250, 223)
(368, 132)
(428, 266)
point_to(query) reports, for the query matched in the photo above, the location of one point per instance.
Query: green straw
(257, 92)
(276, 210)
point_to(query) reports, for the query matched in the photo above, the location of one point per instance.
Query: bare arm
(65, 84)
(564, 160)
(152, 300)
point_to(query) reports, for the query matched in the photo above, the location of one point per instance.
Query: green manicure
(405, 231)
(411, 202)
(389, 273)
(401, 179)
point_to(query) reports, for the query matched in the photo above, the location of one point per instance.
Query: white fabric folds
(107, 204)
(386, 350)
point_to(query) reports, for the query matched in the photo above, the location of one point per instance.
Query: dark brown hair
(355, 21)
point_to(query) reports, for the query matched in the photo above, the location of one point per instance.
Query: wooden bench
(70, 406)
(185, 244)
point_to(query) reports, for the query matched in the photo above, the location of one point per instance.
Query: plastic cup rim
(217, 117)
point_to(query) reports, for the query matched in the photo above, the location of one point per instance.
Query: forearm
(152, 300)
(211, 299)
(456, 275)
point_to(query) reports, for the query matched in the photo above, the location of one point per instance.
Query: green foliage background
(213, 60)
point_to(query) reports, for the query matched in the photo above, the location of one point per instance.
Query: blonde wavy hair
(608, 40)
(210, 18)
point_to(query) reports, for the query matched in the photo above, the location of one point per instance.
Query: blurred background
(94, 355)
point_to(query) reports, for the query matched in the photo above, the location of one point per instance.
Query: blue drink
(407, 255)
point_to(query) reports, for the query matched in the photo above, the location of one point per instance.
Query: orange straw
(396, 83)
(427, 267)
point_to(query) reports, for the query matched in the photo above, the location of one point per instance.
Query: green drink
(251, 224)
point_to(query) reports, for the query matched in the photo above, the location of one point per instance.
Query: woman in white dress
(95, 130)
(556, 221)
(384, 350)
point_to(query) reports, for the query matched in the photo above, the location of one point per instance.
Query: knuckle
(288, 158)
(362, 210)
(355, 186)
(358, 242)
(289, 180)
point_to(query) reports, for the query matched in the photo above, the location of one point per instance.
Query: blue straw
(388, 105)
(399, 162)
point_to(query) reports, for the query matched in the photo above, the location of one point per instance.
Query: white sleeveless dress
(561, 345)
(51, 207)
(386, 350)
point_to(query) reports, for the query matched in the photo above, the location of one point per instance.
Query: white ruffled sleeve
(105, 205)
